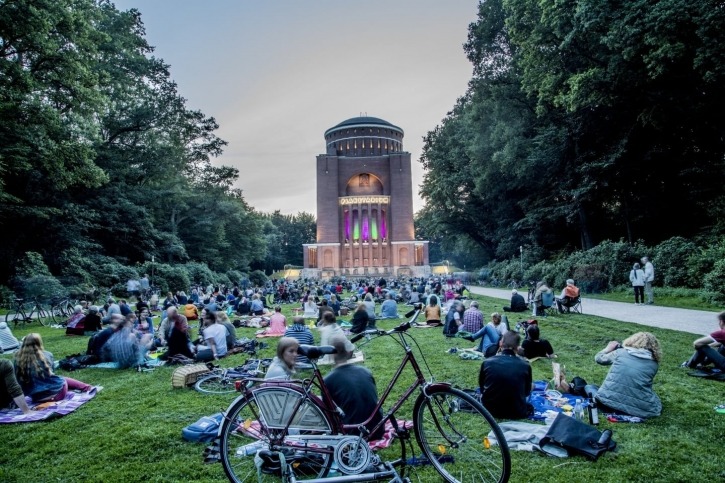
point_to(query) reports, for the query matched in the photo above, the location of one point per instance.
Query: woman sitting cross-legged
(34, 372)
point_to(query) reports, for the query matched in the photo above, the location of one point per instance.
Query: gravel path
(698, 322)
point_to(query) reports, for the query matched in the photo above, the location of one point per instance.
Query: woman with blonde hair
(627, 388)
(34, 371)
(283, 365)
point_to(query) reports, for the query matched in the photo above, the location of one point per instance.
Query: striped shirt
(303, 336)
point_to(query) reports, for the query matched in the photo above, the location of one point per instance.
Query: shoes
(468, 338)
(685, 365)
(452, 350)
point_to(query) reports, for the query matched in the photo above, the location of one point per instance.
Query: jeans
(489, 337)
(706, 354)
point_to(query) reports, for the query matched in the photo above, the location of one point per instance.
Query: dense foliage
(583, 122)
(101, 160)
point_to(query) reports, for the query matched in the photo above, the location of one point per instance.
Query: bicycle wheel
(56, 315)
(256, 421)
(452, 429)
(15, 317)
(215, 384)
(42, 314)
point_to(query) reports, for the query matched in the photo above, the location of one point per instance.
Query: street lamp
(521, 251)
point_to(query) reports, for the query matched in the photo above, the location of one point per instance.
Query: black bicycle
(21, 315)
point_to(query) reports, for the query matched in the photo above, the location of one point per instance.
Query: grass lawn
(132, 430)
(683, 299)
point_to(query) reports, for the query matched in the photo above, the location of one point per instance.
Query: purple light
(347, 224)
(365, 227)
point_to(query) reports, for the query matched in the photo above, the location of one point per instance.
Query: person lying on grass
(34, 371)
(710, 349)
(627, 388)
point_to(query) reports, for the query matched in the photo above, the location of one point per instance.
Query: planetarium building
(365, 205)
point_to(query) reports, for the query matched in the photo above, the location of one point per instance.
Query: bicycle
(61, 308)
(224, 381)
(19, 315)
(283, 429)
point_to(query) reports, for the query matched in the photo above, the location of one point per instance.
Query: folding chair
(547, 304)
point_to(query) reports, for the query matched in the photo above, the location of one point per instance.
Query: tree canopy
(583, 121)
(100, 155)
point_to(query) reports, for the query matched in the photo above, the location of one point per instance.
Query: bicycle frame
(327, 443)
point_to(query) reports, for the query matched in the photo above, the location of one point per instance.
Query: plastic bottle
(593, 412)
(579, 411)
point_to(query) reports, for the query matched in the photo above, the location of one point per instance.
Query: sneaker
(685, 365)
(452, 350)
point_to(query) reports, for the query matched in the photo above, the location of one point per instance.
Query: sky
(275, 74)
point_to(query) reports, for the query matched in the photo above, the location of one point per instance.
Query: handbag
(576, 437)
(187, 375)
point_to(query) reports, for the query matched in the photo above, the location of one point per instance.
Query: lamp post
(521, 251)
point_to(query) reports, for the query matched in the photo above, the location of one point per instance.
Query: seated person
(359, 400)
(191, 312)
(125, 348)
(328, 330)
(361, 320)
(311, 308)
(505, 381)
(490, 335)
(541, 288)
(92, 322)
(74, 325)
(165, 326)
(324, 308)
(433, 312)
(215, 339)
(243, 307)
(569, 296)
(112, 309)
(141, 304)
(389, 308)
(628, 386)
(370, 307)
(277, 323)
(302, 334)
(283, 365)
(99, 339)
(223, 319)
(125, 309)
(10, 390)
(518, 304)
(34, 372)
(454, 319)
(144, 324)
(710, 349)
(256, 307)
(335, 305)
(533, 346)
(414, 297)
(178, 339)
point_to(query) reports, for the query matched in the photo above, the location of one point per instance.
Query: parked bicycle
(284, 429)
(224, 381)
(61, 308)
(20, 314)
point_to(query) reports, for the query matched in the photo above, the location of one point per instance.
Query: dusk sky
(277, 73)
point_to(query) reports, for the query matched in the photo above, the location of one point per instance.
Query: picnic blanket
(548, 402)
(115, 365)
(49, 410)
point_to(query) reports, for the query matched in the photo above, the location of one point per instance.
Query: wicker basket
(185, 376)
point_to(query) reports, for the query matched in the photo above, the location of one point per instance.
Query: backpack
(204, 430)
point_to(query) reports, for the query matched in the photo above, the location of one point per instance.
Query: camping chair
(572, 305)
(547, 303)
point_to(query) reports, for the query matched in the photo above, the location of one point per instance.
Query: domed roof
(363, 121)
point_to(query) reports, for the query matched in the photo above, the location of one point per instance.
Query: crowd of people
(125, 334)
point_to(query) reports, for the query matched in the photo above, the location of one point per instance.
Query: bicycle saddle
(315, 352)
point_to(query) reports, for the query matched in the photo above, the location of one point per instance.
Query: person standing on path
(636, 276)
(649, 277)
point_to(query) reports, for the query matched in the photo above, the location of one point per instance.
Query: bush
(235, 276)
(673, 258)
(32, 264)
(715, 282)
(42, 287)
(258, 278)
(168, 277)
(200, 273)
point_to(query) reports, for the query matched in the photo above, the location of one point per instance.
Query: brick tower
(365, 205)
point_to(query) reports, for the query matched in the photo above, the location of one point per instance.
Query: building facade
(365, 205)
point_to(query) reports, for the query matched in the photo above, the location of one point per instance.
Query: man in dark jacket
(505, 381)
(518, 304)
